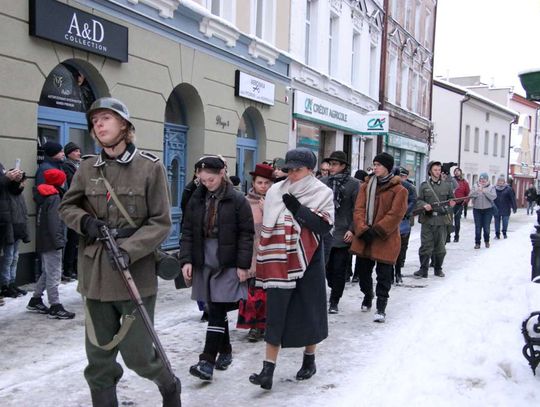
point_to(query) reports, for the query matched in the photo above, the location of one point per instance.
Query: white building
(335, 46)
(471, 130)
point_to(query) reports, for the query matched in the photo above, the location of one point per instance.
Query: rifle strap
(430, 187)
(116, 200)
(127, 321)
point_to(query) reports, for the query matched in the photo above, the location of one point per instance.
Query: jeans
(482, 222)
(8, 263)
(458, 210)
(530, 207)
(505, 220)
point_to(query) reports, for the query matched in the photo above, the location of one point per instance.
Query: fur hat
(263, 170)
(386, 160)
(298, 158)
(51, 148)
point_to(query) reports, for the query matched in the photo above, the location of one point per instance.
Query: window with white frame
(355, 58)
(476, 139)
(414, 92)
(467, 141)
(222, 8)
(310, 32)
(404, 86)
(408, 15)
(392, 79)
(263, 19)
(427, 30)
(333, 45)
(373, 71)
(394, 9)
(417, 17)
(503, 144)
(486, 142)
(495, 144)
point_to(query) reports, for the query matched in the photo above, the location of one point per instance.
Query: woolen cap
(51, 148)
(386, 160)
(54, 177)
(484, 175)
(337, 156)
(263, 170)
(403, 171)
(298, 158)
(70, 147)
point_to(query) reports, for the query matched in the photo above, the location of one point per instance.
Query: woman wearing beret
(216, 254)
(290, 264)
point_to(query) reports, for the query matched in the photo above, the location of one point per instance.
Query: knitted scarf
(371, 191)
(286, 249)
(337, 184)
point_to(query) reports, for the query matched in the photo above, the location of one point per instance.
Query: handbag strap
(116, 200)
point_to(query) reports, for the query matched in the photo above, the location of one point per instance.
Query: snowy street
(452, 341)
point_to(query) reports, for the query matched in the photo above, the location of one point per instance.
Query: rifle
(119, 263)
(440, 204)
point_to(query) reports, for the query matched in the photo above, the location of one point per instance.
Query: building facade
(471, 130)
(335, 49)
(195, 81)
(407, 81)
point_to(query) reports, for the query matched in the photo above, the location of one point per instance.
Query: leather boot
(265, 378)
(104, 397)
(308, 368)
(171, 393)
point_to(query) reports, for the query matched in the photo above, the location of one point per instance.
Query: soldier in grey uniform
(138, 179)
(435, 219)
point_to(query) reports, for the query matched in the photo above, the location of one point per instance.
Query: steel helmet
(111, 104)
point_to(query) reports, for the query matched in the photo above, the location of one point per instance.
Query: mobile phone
(18, 164)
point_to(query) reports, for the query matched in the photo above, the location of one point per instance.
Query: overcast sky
(495, 39)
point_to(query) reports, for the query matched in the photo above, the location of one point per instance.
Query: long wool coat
(390, 207)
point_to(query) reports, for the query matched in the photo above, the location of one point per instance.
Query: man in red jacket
(461, 191)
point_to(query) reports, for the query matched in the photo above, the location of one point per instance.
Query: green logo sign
(375, 124)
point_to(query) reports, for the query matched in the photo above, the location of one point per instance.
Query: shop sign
(317, 110)
(376, 123)
(253, 88)
(406, 143)
(70, 26)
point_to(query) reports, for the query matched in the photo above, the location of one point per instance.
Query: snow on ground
(454, 341)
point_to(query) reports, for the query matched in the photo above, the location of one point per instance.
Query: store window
(309, 135)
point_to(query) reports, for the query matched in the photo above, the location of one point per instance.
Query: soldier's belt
(122, 233)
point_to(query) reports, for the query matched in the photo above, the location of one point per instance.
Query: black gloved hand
(368, 236)
(90, 226)
(291, 203)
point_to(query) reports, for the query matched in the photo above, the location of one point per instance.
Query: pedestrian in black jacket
(50, 241)
(216, 254)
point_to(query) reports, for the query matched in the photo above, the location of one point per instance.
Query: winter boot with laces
(223, 361)
(308, 368)
(204, 370)
(20, 292)
(36, 305)
(265, 378)
(57, 311)
(380, 315)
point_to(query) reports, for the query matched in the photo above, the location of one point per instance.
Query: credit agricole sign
(320, 111)
(70, 26)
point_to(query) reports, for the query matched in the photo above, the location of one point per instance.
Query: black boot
(171, 394)
(308, 368)
(399, 278)
(104, 397)
(264, 379)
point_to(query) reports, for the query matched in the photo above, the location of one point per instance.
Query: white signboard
(321, 111)
(251, 87)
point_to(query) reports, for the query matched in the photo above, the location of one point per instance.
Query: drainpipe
(514, 121)
(465, 100)
(382, 69)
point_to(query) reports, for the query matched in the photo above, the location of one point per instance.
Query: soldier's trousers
(138, 353)
(433, 240)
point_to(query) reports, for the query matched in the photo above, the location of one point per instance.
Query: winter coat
(405, 224)
(462, 190)
(390, 208)
(257, 212)
(343, 218)
(443, 191)
(50, 230)
(47, 164)
(69, 167)
(505, 201)
(234, 224)
(531, 194)
(483, 199)
(11, 211)
(140, 182)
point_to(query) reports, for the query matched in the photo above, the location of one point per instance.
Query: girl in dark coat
(505, 202)
(217, 246)
(290, 264)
